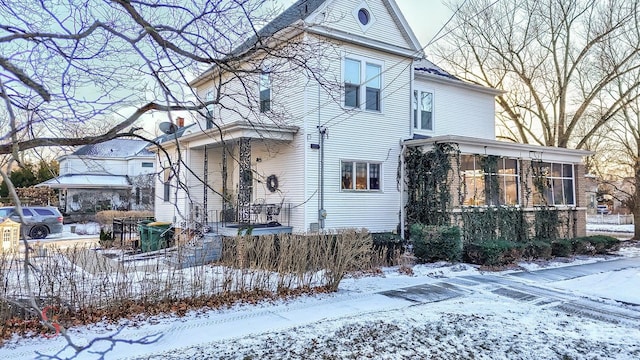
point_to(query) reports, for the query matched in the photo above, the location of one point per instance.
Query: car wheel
(39, 232)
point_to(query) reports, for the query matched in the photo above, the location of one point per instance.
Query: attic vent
(363, 16)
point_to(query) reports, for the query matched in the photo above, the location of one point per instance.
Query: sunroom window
(553, 184)
(489, 180)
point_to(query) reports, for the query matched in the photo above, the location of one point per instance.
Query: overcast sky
(425, 17)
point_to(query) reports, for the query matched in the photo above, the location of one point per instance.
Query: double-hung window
(373, 87)
(351, 83)
(265, 91)
(358, 175)
(423, 110)
(355, 89)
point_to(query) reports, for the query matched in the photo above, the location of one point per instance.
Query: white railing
(615, 219)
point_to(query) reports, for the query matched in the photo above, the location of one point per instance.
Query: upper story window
(147, 164)
(351, 83)
(355, 70)
(265, 91)
(358, 175)
(423, 110)
(553, 183)
(489, 180)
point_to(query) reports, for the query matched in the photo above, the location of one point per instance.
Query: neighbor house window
(167, 184)
(489, 180)
(422, 110)
(147, 164)
(355, 89)
(553, 183)
(358, 175)
(265, 92)
(209, 110)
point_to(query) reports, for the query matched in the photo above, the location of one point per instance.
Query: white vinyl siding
(340, 16)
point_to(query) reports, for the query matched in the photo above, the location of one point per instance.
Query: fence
(125, 230)
(615, 219)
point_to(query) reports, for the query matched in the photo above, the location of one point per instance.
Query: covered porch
(227, 193)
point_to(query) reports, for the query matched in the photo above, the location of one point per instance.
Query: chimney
(180, 122)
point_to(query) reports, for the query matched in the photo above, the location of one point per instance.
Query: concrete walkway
(575, 271)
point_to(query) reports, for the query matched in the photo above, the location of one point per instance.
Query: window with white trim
(265, 91)
(553, 183)
(355, 89)
(360, 175)
(423, 110)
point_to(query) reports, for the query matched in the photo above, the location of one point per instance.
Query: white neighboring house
(335, 164)
(116, 174)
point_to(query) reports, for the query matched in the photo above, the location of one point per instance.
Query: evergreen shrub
(561, 247)
(597, 244)
(537, 250)
(493, 252)
(436, 243)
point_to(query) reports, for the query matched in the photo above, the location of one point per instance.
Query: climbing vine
(428, 183)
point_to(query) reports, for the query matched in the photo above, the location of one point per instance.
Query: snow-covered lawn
(358, 322)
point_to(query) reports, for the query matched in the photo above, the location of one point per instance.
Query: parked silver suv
(40, 221)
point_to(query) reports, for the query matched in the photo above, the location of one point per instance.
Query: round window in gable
(363, 16)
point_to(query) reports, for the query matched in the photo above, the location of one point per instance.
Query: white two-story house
(118, 174)
(332, 158)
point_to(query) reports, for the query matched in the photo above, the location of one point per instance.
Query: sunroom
(446, 176)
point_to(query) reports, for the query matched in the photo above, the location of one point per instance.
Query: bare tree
(623, 142)
(80, 72)
(558, 60)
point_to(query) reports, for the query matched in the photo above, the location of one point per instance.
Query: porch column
(245, 180)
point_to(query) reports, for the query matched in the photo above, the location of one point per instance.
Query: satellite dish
(168, 127)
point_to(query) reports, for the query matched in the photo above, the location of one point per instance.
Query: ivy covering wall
(433, 180)
(428, 181)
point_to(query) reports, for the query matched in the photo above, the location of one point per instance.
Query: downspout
(402, 192)
(322, 213)
(322, 130)
(205, 179)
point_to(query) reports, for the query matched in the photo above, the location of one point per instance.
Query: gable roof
(300, 11)
(115, 148)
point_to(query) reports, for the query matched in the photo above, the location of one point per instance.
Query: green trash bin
(143, 231)
(159, 236)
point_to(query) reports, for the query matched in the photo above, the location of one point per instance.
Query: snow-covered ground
(360, 322)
